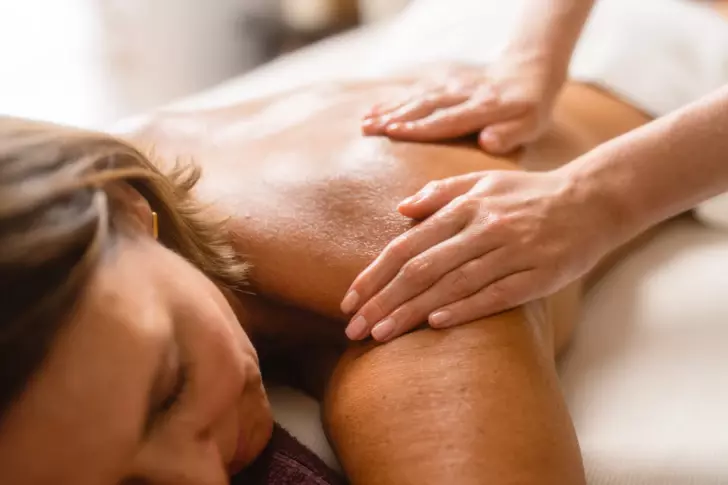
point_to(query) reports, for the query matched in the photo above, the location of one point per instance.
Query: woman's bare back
(313, 201)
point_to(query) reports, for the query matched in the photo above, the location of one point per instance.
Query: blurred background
(91, 62)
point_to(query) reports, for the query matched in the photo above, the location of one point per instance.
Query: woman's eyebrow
(168, 379)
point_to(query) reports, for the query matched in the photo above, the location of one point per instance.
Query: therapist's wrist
(607, 198)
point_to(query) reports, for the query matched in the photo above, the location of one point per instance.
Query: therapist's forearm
(659, 170)
(548, 31)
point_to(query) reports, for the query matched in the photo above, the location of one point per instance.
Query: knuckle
(488, 101)
(495, 222)
(481, 108)
(455, 86)
(487, 183)
(405, 318)
(499, 296)
(432, 98)
(488, 222)
(498, 178)
(480, 231)
(434, 187)
(399, 249)
(464, 203)
(463, 280)
(398, 114)
(375, 309)
(529, 241)
(416, 272)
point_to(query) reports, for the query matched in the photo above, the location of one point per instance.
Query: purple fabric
(285, 461)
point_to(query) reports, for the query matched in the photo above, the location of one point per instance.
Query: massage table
(646, 378)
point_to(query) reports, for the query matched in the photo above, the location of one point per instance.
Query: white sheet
(647, 377)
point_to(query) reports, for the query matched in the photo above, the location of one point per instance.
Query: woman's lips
(255, 423)
(252, 441)
(240, 458)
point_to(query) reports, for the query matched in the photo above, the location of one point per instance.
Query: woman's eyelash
(180, 384)
(168, 398)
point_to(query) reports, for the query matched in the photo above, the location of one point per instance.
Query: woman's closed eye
(175, 393)
(169, 387)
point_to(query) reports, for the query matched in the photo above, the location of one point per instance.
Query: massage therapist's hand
(490, 241)
(508, 105)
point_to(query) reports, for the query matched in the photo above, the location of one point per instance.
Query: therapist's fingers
(382, 108)
(412, 109)
(437, 194)
(386, 266)
(414, 91)
(417, 108)
(415, 277)
(501, 295)
(388, 106)
(403, 248)
(461, 282)
(463, 119)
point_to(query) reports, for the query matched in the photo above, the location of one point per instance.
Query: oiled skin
(312, 202)
(309, 196)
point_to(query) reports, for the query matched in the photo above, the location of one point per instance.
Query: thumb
(503, 138)
(436, 195)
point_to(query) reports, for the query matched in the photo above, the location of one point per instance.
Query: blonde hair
(56, 219)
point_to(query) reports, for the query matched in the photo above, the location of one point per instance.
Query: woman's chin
(260, 435)
(257, 419)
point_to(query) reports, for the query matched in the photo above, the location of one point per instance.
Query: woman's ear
(137, 208)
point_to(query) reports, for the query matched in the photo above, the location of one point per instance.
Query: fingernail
(440, 318)
(383, 330)
(413, 199)
(400, 126)
(371, 124)
(419, 196)
(357, 329)
(349, 302)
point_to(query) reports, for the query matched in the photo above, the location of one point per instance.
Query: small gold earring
(155, 225)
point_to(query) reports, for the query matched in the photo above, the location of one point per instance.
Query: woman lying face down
(143, 347)
(120, 359)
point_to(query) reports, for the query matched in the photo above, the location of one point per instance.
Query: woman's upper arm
(479, 403)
